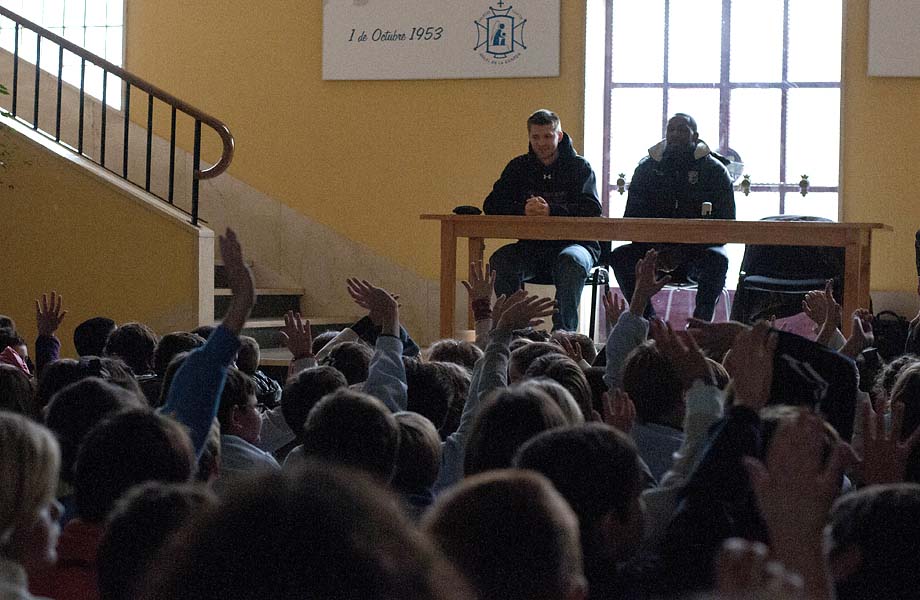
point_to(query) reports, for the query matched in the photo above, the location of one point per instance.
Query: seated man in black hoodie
(550, 180)
(681, 178)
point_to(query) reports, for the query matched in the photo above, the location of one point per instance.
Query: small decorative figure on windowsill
(621, 183)
(803, 184)
(746, 185)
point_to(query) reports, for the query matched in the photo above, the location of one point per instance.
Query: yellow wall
(881, 122)
(365, 158)
(104, 252)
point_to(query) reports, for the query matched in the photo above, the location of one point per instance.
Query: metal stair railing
(129, 82)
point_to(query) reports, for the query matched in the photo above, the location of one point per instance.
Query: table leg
(448, 276)
(852, 284)
(865, 269)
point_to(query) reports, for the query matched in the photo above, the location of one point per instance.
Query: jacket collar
(657, 151)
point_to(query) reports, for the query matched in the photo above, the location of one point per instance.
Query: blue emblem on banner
(500, 31)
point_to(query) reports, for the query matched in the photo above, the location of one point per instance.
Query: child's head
(354, 429)
(29, 464)
(654, 385)
(314, 531)
(873, 543)
(567, 373)
(249, 355)
(419, 456)
(171, 345)
(508, 418)
(433, 387)
(76, 409)
(511, 534)
(140, 525)
(459, 352)
(523, 356)
(237, 412)
(125, 450)
(304, 391)
(61, 373)
(352, 359)
(559, 394)
(596, 469)
(17, 392)
(135, 344)
(321, 339)
(888, 376)
(90, 336)
(906, 391)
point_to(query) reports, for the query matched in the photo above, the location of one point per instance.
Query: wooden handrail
(219, 127)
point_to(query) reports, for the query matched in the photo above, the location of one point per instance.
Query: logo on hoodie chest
(693, 177)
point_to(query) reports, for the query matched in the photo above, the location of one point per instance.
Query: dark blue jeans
(705, 266)
(565, 267)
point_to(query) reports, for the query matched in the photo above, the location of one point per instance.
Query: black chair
(597, 278)
(773, 280)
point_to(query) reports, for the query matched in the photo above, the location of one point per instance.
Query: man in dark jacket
(550, 180)
(680, 179)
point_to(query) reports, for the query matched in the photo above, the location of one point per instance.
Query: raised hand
(481, 284)
(296, 335)
(647, 285)
(714, 338)
(815, 306)
(750, 365)
(48, 313)
(614, 306)
(682, 351)
(502, 302)
(240, 279)
(862, 336)
(796, 486)
(525, 312)
(618, 410)
(885, 456)
(795, 490)
(572, 349)
(382, 306)
(832, 318)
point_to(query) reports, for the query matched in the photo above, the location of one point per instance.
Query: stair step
(267, 331)
(220, 274)
(263, 292)
(275, 357)
(270, 302)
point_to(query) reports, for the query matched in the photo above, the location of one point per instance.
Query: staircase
(168, 171)
(267, 319)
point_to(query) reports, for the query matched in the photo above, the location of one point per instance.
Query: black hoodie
(568, 186)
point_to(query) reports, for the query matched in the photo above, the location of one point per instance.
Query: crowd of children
(724, 461)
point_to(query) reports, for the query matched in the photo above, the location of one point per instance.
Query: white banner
(440, 39)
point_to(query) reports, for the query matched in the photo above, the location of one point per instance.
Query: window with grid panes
(762, 79)
(97, 25)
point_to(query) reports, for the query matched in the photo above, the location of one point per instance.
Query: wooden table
(854, 238)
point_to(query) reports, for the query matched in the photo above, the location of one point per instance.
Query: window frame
(725, 87)
(113, 100)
